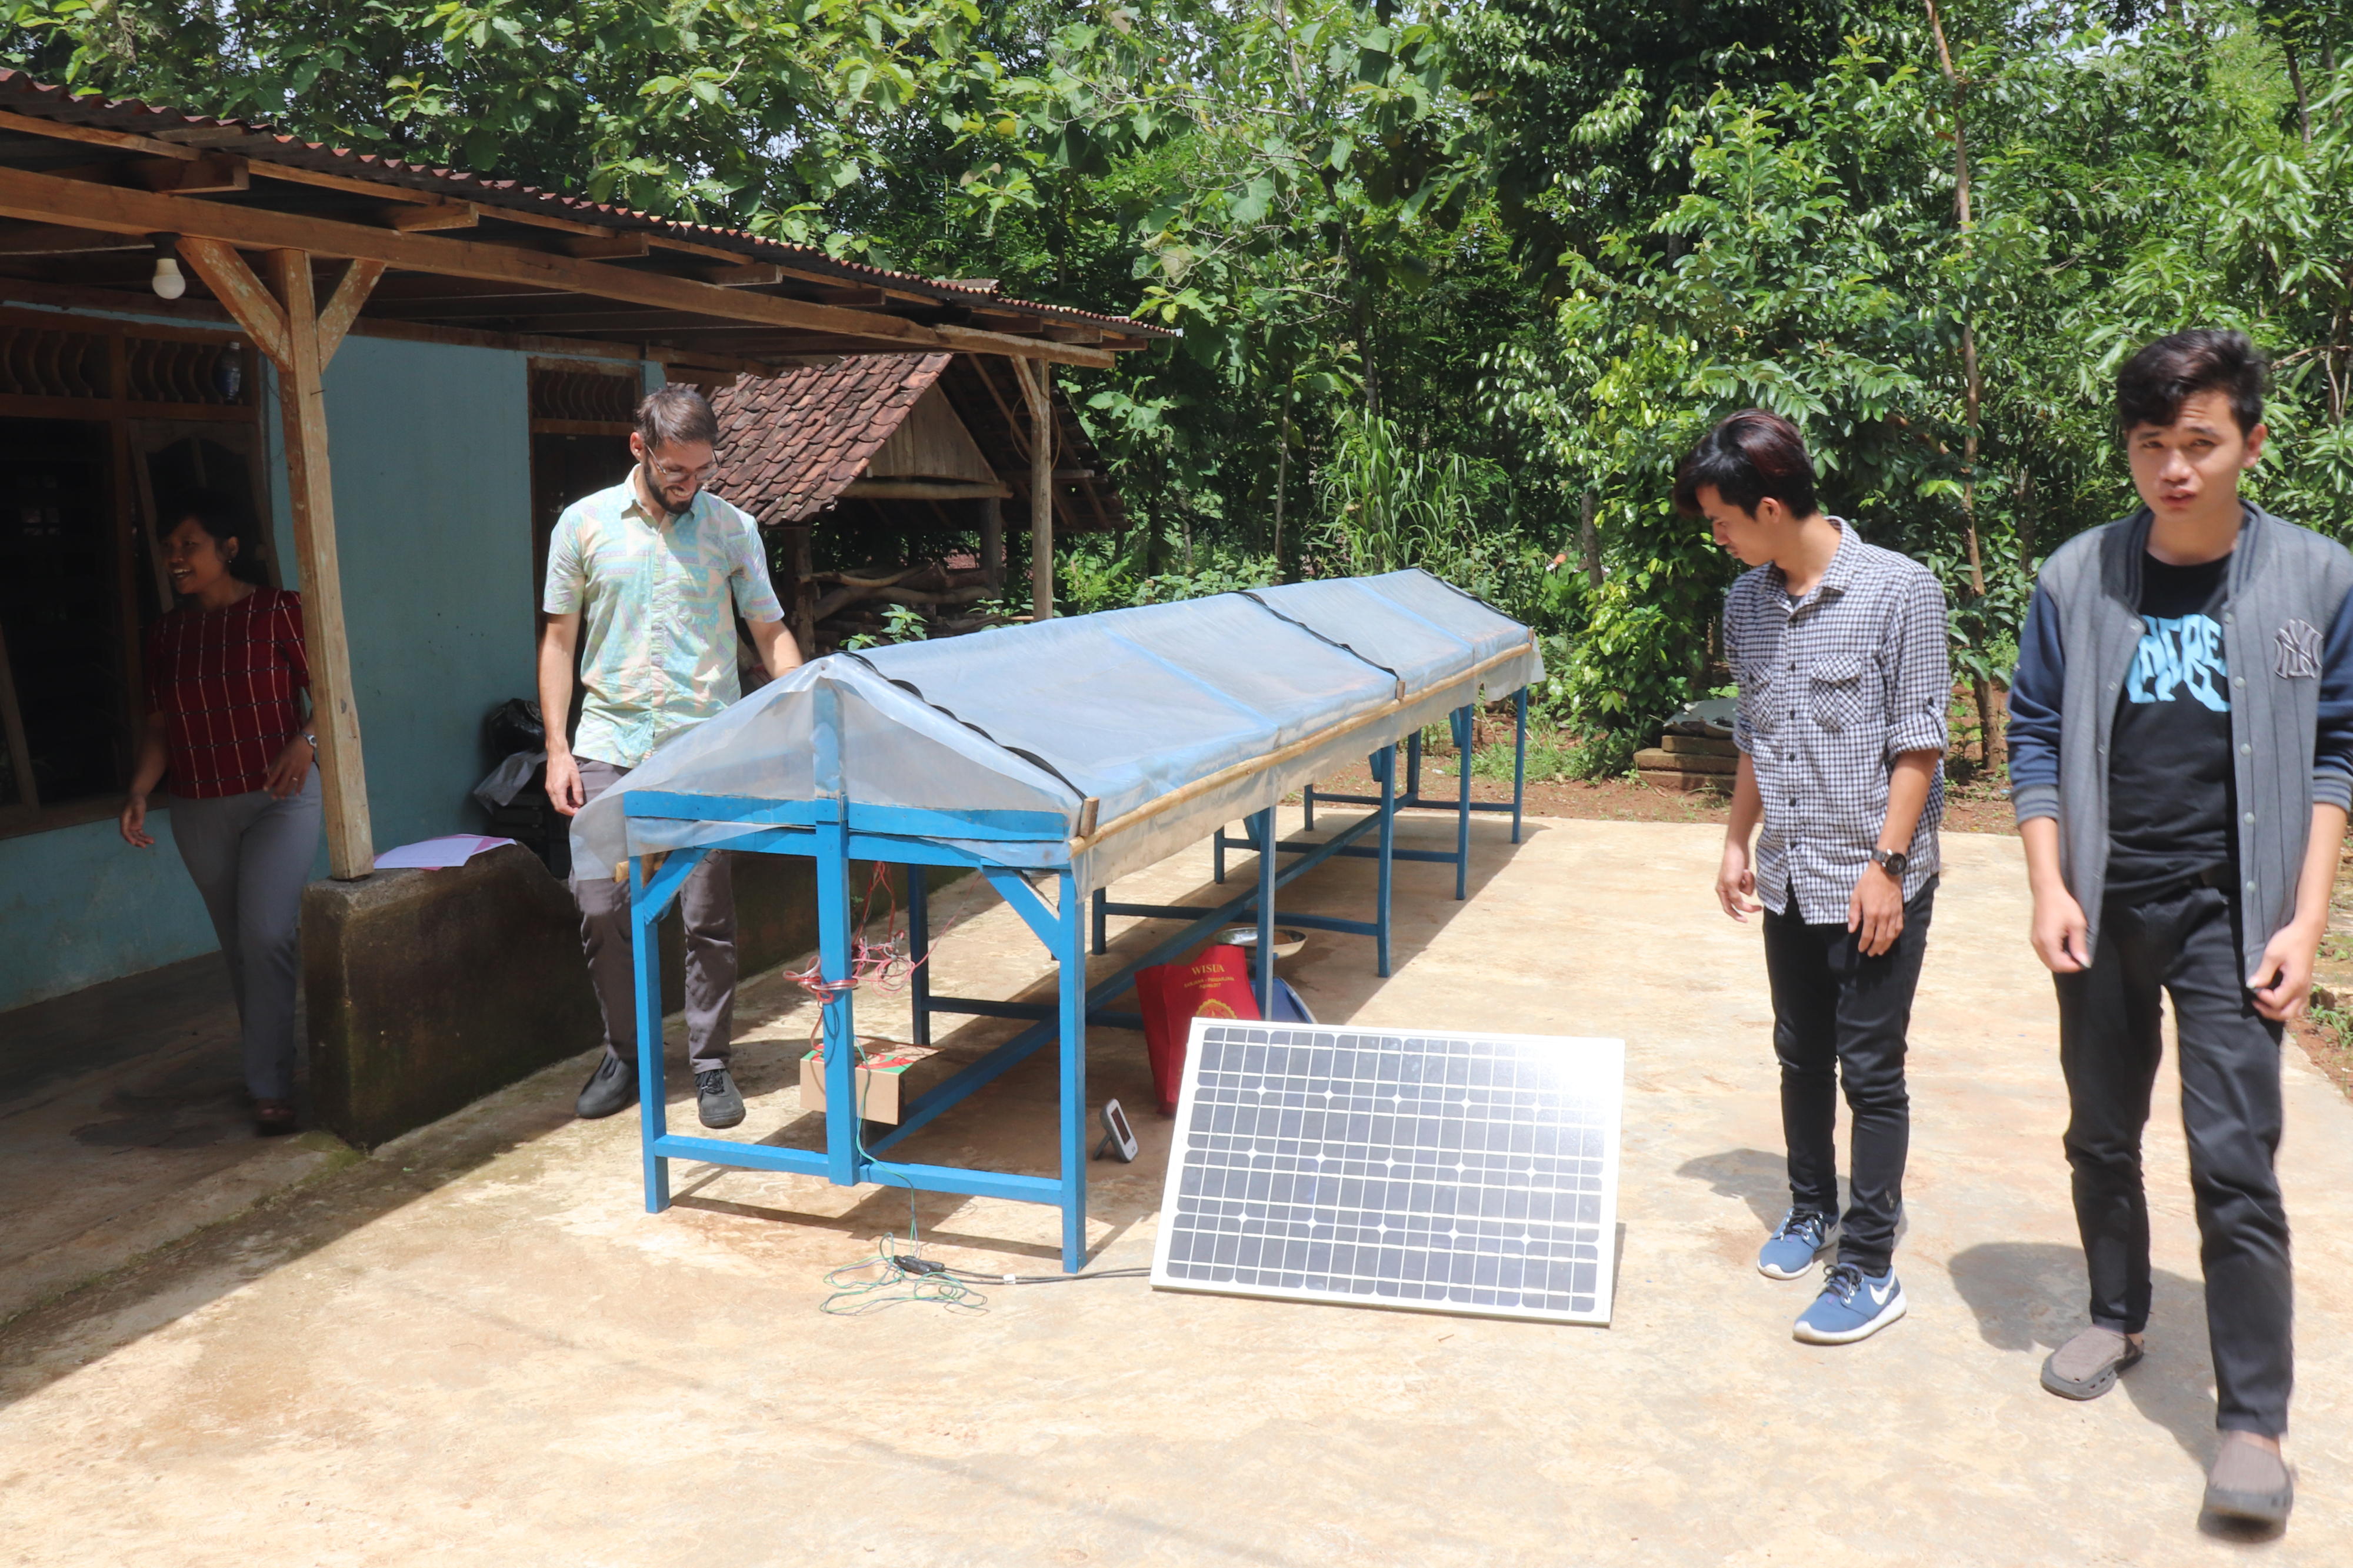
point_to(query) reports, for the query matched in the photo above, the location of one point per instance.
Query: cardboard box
(892, 1076)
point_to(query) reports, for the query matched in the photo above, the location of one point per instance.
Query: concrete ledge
(430, 989)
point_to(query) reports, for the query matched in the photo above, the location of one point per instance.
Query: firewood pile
(1690, 763)
(849, 603)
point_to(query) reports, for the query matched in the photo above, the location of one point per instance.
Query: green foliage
(901, 623)
(1451, 277)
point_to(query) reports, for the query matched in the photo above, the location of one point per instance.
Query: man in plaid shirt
(1839, 648)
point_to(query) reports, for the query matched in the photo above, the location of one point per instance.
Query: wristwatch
(310, 741)
(1895, 862)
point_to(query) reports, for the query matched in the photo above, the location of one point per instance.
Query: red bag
(1215, 984)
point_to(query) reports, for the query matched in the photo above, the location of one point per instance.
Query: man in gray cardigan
(2181, 758)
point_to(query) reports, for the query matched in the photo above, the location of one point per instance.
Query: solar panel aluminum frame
(1592, 1073)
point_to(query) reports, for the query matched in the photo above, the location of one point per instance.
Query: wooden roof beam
(90, 135)
(44, 198)
(431, 216)
(210, 174)
(751, 274)
(606, 248)
(55, 239)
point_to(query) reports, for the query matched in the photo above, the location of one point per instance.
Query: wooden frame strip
(58, 130)
(241, 294)
(342, 307)
(302, 404)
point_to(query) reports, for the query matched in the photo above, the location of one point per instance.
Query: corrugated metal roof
(22, 95)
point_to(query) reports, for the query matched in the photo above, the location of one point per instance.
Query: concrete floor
(475, 1347)
(125, 1128)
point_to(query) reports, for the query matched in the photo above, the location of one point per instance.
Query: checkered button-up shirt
(1833, 688)
(657, 598)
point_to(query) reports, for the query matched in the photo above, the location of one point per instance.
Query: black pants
(1839, 1016)
(2185, 941)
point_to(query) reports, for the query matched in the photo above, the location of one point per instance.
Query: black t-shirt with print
(2169, 778)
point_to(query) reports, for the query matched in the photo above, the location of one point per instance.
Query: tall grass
(1388, 504)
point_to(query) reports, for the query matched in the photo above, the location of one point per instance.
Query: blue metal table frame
(835, 831)
(1460, 722)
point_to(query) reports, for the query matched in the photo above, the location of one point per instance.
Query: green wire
(888, 1285)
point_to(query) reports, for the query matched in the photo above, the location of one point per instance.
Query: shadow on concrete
(1761, 1180)
(71, 1035)
(2030, 1296)
(1016, 1133)
(1754, 1176)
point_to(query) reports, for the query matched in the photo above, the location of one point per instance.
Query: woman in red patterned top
(226, 683)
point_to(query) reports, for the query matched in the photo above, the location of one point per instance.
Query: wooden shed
(882, 479)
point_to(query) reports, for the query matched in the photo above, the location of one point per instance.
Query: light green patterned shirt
(658, 599)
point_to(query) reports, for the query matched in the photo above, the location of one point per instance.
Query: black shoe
(612, 1088)
(717, 1099)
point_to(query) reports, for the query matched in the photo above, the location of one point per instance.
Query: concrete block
(429, 989)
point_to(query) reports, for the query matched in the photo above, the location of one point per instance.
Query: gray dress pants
(707, 903)
(250, 856)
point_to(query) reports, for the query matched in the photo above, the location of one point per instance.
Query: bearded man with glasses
(657, 570)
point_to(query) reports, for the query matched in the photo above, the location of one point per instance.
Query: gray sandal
(2087, 1366)
(2250, 1482)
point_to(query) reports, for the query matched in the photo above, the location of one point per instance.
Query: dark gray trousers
(2183, 943)
(250, 856)
(707, 904)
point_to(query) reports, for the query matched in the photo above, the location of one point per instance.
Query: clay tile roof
(790, 444)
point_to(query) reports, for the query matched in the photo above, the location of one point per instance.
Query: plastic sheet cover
(1173, 718)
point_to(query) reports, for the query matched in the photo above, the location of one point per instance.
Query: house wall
(430, 449)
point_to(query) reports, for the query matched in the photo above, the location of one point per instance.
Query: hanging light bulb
(167, 282)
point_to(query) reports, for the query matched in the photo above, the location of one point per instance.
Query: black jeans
(2185, 941)
(1837, 1015)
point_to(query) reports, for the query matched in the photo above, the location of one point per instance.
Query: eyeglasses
(671, 474)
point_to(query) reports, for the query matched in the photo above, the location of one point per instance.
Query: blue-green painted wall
(431, 452)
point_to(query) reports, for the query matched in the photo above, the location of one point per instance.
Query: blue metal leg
(1307, 794)
(1218, 855)
(840, 1026)
(1073, 1026)
(653, 1104)
(1464, 734)
(1519, 759)
(1265, 827)
(1413, 766)
(1386, 767)
(1101, 901)
(918, 943)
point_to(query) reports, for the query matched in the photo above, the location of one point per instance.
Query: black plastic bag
(514, 726)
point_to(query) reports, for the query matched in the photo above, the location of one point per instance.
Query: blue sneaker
(1853, 1306)
(1790, 1253)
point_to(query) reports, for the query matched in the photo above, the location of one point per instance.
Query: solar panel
(1438, 1171)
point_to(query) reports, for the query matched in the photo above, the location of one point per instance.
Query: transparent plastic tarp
(1171, 718)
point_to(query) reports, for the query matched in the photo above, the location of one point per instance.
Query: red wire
(882, 964)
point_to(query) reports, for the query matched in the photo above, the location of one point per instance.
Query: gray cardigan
(2287, 638)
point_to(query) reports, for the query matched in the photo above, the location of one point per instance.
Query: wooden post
(1038, 389)
(804, 605)
(302, 408)
(300, 337)
(992, 544)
